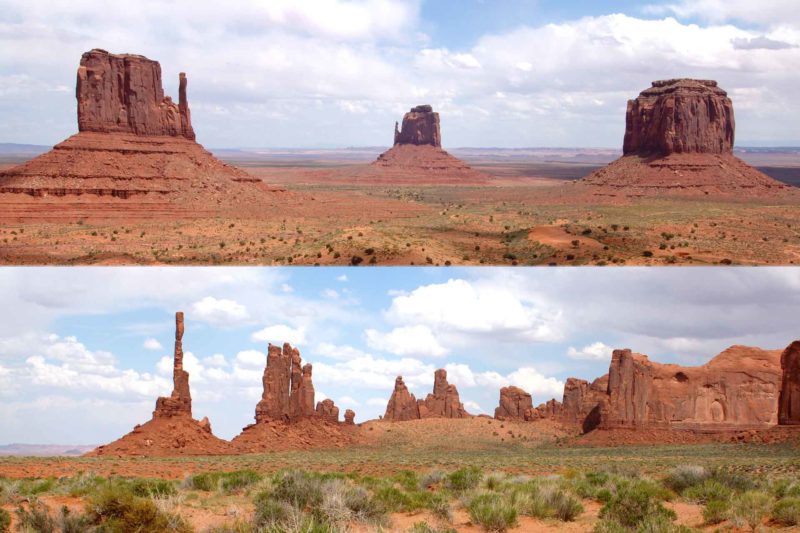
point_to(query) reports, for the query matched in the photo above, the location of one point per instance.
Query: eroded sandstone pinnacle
(179, 403)
(789, 406)
(444, 402)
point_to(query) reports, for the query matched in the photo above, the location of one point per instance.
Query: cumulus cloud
(279, 334)
(152, 344)
(407, 340)
(597, 351)
(220, 312)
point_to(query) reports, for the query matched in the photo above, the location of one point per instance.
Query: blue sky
(84, 352)
(337, 73)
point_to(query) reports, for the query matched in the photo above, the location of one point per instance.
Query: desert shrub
(120, 511)
(269, 511)
(5, 521)
(431, 479)
(708, 490)
(237, 527)
(343, 503)
(750, 508)
(36, 518)
(492, 511)
(407, 479)
(610, 526)
(298, 488)
(565, 506)
(69, 522)
(545, 501)
(787, 512)
(464, 479)
(424, 527)
(716, 511)
(683, 477)
(660, 524)
(240, 479)
(81, 484)
(35, 487)
(734, 480)
(207, 481)
(152, 488)
(633, 503)
(785, 488)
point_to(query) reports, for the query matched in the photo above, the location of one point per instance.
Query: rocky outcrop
(420, 127)
(288, 389)
(444, 402)
(402, 404)
(549, 410)
(349, 417)
(679, 116)
(738, 388)
(581, 402)
(328, 411)
(789, 405)
(515, 404)
(123, 93)
(678, 141)
(179, 403)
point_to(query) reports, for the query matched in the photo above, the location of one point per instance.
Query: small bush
(35, 518)
(207, 481)
(684, 477)
(787, 512)
(121, 511)
(750, 508)
(734, 480)
(492, 511)
(5, 521)
(424, 527)
(270, 512)
(708, 490)
(633, 503)
(153, 488)
(240, 479)
(464, 479)
(716, 511)
(299, 489)
(69, 522)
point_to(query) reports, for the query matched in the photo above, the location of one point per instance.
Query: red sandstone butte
(444, 402)
(327, 410)
(515, 404)
(134, 144)
(417, 155)
(679, 137)
(172, 430)
(789, 409)
(288, 390)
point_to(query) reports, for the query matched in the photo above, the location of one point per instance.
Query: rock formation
(134, 144)
(515, 404)
(402, 404)
(288, 389)
(678, 140)
(327, 410)
(172, 430)
(420, 127)
(444, 402)
(581, 402)
(349, 417)
(789, 406)
(180, 401)
(417, 155)
(123, 94)
(549, 410)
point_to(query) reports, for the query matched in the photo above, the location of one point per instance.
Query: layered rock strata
(420, 127)
(789, 406)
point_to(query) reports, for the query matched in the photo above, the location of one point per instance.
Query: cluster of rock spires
(679, 137)
(285, 417)
(741, 388)
(444, 402)
(133, 141)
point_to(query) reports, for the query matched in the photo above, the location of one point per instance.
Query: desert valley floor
(327, 209)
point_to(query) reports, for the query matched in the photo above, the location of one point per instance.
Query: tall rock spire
(179, 403)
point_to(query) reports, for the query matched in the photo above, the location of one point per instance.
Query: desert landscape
(134, 187)
(664, 447)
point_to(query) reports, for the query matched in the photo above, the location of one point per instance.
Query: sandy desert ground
(330, 213)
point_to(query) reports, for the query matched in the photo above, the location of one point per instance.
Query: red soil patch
(304, 434)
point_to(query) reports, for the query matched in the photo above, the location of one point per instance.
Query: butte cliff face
(124, 94)
(134, 144)
(420, 127)
(172, 430)
(288, 389)
(789, 406)
(515, 404)
(444, 402)
(679, 138)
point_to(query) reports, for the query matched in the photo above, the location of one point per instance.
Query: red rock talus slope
(172, 430)
(444, 402)
(134, 144)
(678, 140)
(789, 410)
(286, 417)
(417, 155)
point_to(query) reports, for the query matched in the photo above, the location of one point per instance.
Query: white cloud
(774, 12)
(527, 378)
(251, 358)
(330, 293)
(341, 352)
(152, 344)
(374, 373)
(279, 334)
(377, 402)
(215, 360)
(473, 407)
(220, 312)
(407, 340)
(342, 278)
(460, 375)
(597, 351)
(348, 401)
(285, 287)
